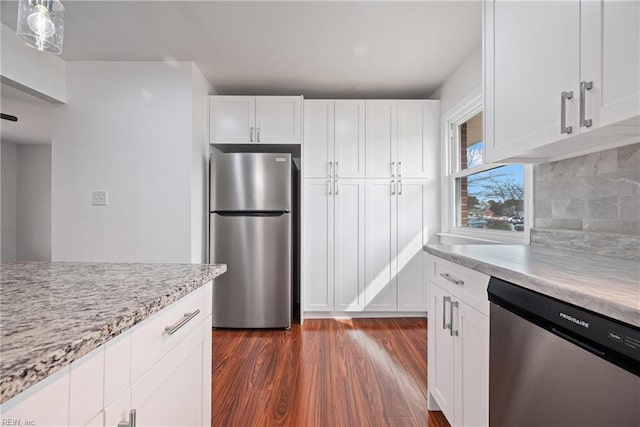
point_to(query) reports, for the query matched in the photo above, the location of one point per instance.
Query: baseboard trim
(362, 314)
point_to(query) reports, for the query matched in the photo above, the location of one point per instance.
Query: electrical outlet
(98, 198)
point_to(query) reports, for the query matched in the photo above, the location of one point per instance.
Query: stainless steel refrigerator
(251, 232)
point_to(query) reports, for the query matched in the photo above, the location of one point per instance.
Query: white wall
(40, 74)
(201, 89)
(9, 192)
(33, 223)
(33, 125)
(466, 79)
(127, 129)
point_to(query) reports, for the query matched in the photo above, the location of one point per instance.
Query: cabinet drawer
(150, 341)
(467, 284)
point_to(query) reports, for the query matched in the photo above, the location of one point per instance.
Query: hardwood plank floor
(361, 372)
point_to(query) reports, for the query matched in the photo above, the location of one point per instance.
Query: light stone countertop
(605, 285)
(53, 313)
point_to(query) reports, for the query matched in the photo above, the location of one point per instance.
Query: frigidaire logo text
(574, 320)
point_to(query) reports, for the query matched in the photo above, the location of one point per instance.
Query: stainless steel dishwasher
(554, 364)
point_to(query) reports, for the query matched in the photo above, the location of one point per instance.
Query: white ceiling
(34, 117)
(319, 49)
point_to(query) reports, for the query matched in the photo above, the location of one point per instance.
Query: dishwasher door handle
(577, 342)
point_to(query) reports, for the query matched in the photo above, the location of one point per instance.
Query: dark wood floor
(366, 372)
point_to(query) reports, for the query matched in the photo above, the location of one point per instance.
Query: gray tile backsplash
(598, 192)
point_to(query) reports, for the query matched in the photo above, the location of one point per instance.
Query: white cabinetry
(334, 139)
(610, 58)
(101, 388)
(458, 342)
(396, 230)
(556, 73)
(251, 119)
(381, 239)
(402, 138)
(380, 221)
(333, 265)
(381, 138)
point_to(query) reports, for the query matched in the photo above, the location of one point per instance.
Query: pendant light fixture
(40, 24)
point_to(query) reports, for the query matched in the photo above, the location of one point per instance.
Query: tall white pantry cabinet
(370, 170)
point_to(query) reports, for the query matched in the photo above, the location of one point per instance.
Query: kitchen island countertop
(604, 285)
(53, 313)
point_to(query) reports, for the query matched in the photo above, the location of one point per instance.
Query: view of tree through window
(491, 199)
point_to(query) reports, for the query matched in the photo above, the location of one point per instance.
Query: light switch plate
(98, 198)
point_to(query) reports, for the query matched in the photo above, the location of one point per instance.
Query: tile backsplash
(598, 192)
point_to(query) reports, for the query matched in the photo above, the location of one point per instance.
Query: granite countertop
(53, 313)
(605, 285)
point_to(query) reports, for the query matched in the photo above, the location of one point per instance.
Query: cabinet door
(380, 138)
(472, 366)
(278, 119)
(170, 393)
(349, 244)
(232, 119)
(610, 58)
(349, 137)
(380, 241)
(418, 138)
(412, 232)
(532, 55)
(45, 403)
(441, 363)
(317, 262)
(318, 138)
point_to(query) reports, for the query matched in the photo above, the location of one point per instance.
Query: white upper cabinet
(610, 61)
(550, 67)
(535, 58)
(334, 139)
(232, 119)
(381, 138)
(250, 119)
(318, 138)
(418, 138)
(349, 139)
(279, 119)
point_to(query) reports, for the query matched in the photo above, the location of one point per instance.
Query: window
(485, 199)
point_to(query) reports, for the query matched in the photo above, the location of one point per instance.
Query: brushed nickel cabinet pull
(170, 330)
(564, 96)
(452, 279)
(453, 333)
(445, 300)
(584, 87)
(131, 422)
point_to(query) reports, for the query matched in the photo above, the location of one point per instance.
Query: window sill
(489, 237)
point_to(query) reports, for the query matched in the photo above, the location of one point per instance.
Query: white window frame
(465, 110)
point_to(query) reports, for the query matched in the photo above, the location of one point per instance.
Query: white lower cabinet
(458, 344)
(99, 389)
(170, 392)
(396, 230)
(333, 262)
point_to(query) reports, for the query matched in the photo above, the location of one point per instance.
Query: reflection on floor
(365, 372)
